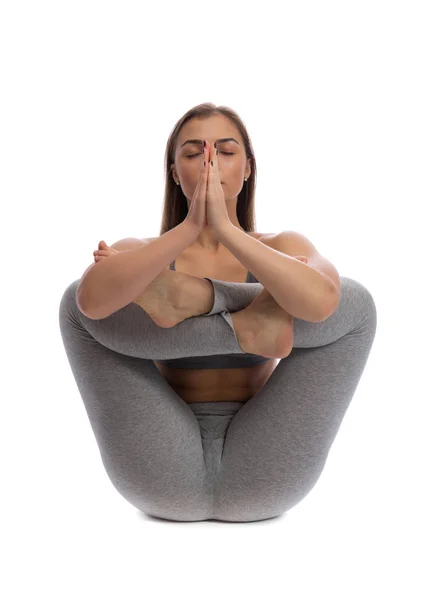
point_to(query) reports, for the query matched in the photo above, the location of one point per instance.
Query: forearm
(298, 288)
(112, 284)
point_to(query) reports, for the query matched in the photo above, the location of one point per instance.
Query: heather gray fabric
(227, 461)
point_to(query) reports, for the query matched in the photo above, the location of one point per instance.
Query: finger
(213, 179)
(211, 166)
(203, 175)
(213, 160)
(214, 167)
(204, 168)
(207, 164)
(206, 157)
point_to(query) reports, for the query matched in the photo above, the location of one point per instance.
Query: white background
(332, 94)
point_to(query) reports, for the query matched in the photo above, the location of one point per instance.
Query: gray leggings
(226, 461)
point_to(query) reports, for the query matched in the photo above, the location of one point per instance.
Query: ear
(248, 168)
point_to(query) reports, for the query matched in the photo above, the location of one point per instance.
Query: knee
(359, 297)
(68, 301)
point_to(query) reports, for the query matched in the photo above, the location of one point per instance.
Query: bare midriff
(217, 385)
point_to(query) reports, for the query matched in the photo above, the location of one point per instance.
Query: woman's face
(231, 157)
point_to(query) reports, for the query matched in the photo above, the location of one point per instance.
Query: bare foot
(162, 300)
(264, 328)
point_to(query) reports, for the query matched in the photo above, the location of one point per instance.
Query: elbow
(330, 306)
(91, 315)
(88, 308)
(94, 313)
(85, 310)
(80, 301)
(82, 307)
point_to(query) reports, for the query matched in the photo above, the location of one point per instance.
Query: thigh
(277, 444)
(148, 438)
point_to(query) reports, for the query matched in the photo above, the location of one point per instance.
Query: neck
(208, 240)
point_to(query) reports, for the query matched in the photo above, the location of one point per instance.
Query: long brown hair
(175, 207)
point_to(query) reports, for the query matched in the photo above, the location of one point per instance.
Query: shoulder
(290, 242)
(265, 238)
(271, 239)
(131, 243)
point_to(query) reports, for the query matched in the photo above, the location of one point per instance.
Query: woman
(192, 423)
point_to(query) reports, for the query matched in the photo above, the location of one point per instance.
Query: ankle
(205, 296)
(242, 329)
(195, 293)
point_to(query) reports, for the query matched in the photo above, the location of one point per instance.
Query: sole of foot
(167, 300)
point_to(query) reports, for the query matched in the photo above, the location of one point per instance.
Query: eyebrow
(228, 139)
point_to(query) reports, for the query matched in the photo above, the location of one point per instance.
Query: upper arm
(294, 243)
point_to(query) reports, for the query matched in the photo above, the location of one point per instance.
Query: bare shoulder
(266, 238)
(131, 243)
(271, 239)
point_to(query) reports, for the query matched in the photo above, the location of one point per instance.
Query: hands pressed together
(208, 204)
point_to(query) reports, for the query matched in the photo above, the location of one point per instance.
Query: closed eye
(193, 155)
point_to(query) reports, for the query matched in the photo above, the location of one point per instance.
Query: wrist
(224, 230)
(192, 231)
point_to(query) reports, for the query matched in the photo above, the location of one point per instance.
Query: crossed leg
(278, 442)
(276, 445)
